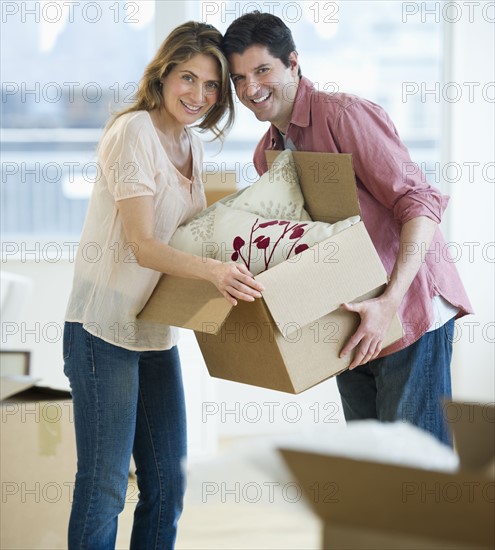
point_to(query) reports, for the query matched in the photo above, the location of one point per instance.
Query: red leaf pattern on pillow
(238, 243)
(301, 248)
(267, 224)
(296, 233)
(262, 242)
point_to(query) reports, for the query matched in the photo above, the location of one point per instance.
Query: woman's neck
(167, 125)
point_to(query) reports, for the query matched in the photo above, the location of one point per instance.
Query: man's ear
(294, 63)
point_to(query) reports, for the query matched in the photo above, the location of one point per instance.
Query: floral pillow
(261, 243)
(275, 195)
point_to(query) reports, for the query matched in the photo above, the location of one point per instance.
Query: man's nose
(252, 88)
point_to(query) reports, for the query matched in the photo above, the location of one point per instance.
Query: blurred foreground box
(374, 506)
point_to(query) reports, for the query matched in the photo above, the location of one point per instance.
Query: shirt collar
(301, 113)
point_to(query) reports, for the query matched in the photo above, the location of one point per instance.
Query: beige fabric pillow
(275, 195)
(261, 243)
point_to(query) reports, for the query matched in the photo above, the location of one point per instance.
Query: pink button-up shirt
(390, 192)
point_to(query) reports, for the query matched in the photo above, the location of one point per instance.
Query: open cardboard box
(291, 338)
(38, 464)
(374, 506)
(218, 185)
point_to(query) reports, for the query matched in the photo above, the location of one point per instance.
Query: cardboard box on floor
(291, 338)
(38, 465)
(218, 185)
(374, 506)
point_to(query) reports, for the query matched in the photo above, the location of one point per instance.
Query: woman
(125, 373)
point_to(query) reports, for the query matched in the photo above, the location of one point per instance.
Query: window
(65, 67)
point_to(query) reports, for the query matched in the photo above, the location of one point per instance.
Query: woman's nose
(198, 94)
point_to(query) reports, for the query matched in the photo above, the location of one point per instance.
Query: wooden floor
(232, 504)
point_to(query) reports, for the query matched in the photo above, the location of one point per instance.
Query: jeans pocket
(67, 340)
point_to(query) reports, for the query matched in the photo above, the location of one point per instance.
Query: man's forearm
(415, 239)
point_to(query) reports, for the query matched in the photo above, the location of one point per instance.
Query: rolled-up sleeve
(383, 165)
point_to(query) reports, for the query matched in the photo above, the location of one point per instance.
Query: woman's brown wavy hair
(182, 44)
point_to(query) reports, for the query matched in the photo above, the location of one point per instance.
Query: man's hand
(376, 315)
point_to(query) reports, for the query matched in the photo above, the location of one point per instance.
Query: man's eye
(263, 70)
(236, 79)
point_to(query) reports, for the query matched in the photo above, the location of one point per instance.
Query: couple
(124, 373)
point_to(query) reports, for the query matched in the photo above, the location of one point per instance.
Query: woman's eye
(187, 77)
(212, 85)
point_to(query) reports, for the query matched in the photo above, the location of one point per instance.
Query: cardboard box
(218, 185)
(369, 505)
(291, 338)
(38, 465)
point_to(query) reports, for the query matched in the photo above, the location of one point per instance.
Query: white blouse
(110, 288)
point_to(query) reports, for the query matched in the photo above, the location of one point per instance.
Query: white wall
(471, 219)
(39, 328)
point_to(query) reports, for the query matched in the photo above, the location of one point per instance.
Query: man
(407, 380)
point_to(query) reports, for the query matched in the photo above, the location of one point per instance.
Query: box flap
(328, 184)
(11, 385)
(394, 498)
(188, 303)
(219, 180)
(316, 282)
(246, 350)
(473, 427)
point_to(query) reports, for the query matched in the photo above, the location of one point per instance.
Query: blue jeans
(407, 385)
(125, 402)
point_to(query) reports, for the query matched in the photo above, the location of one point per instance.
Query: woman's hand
(235, 281)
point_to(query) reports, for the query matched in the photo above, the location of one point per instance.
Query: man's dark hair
(263, 29)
